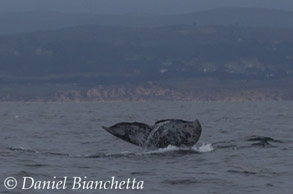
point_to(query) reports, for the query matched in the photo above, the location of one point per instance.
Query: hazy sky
(137, 6)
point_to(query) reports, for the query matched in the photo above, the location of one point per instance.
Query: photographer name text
(73, 183)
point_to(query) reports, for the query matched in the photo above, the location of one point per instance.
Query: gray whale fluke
(163, 133)
(135, 133)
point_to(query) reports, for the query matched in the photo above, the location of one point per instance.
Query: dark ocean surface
(245, 147)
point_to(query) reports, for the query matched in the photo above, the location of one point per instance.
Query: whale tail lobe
(135, 133)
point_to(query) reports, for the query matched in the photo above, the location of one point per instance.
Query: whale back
(174, 132)
(135, 133)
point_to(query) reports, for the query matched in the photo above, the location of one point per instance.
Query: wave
(234, 144)
(22, 149)
(205, 147)
(170, 150)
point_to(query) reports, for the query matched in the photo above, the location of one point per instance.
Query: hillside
(93, 54)
(47, 20)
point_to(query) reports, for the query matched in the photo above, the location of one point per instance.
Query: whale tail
(164, 133)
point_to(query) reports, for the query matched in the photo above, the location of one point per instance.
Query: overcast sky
(137, 6)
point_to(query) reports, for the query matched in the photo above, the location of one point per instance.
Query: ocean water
(245, 147)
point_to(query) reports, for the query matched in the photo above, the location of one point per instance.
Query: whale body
(163, 133)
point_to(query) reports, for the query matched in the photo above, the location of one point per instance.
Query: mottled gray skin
(174, 132)
(164, 133)
(135, 133)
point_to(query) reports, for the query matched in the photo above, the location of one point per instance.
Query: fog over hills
(19, 22)
(137, 6)
(219, 54)
(105, 54)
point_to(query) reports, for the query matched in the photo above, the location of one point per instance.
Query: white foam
(170, 148)
(205, 147)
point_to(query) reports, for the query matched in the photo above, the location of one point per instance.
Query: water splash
(205, 147)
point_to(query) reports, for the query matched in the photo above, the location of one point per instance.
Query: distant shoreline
(197, 90)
